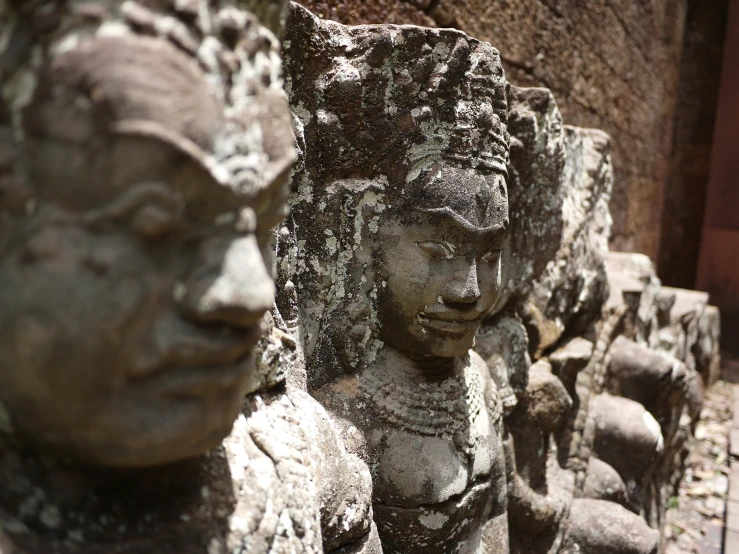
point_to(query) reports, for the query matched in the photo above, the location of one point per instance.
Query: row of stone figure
(186, 368)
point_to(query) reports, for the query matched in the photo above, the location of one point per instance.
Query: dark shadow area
(686, 186)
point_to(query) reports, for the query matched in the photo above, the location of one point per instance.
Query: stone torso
(434, 451)
(272, 487)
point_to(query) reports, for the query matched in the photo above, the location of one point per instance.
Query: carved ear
(15, 194)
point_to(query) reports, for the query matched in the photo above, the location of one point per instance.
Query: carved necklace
(440, 408)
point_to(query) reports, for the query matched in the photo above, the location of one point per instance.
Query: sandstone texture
(146, 150)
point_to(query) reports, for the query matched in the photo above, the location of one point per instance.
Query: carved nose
(238, 291)
(463, 288)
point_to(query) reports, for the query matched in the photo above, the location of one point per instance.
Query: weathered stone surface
(642, 361)
(570, 359)
(536, 188)
(446, 231)
(567, 298)
(99, 121)
(602, 482)
(692, 332)
(397, 12)
(399, 217)
(560, 184)
(630, 443)
(561, 211)
(657, 381)
(600, 526)
(676, 321)
(633, 281)
(540, 492)
(502, 343)
(261, 491)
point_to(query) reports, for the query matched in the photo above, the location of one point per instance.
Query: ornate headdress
(388, 98)
(157, 74)
(381, 110)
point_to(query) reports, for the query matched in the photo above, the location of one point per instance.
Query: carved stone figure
(424, 399)
(665, 358)
(399, 220)
(144, 154)
(554, 293)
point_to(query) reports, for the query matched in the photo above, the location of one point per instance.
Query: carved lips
(199, 364)
(450, 321)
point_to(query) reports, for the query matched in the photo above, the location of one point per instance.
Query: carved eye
(491, 257)
(151, 221)
(437, 250)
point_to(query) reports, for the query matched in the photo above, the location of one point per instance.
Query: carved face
(126, 349)
(132, 300)
(441, 263)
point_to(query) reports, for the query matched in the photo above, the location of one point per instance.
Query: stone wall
(611, 65)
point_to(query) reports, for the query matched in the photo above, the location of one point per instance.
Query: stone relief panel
(569, 462)
(559, 196)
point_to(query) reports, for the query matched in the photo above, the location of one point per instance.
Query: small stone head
(133, 292)
(442, 240)
(440, 266)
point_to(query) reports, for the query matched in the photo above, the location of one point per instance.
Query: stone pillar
(718, 270)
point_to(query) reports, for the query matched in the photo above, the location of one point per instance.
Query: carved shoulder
(343, 481)
(491, 393)
(344, 403)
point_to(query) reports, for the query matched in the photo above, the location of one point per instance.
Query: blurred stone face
(441, 262)
(132, 298)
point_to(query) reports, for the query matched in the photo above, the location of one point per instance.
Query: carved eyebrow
(214, 186)
(447, 212)
(133, 198)
(496, 238)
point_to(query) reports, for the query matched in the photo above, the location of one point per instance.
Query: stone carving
(570, 292)
(454, 362)
(368, 120)
(603, 329)
(145, 153)
(665, 359)
(399, 220)
(559, 198)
